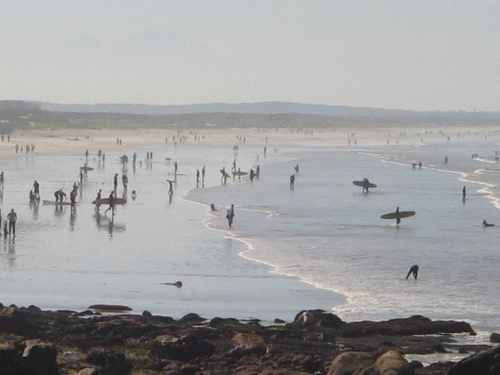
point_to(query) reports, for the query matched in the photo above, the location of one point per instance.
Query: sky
(395, 54)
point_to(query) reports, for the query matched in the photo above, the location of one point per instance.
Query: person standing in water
(413, 270)
(464, 193)
(12, 217)
(111, 202)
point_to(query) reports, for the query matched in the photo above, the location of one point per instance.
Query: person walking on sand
(12, 217)
(115, 181)
(292, 181)
(5, 229)
(413, 270)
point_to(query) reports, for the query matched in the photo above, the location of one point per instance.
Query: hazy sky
(405, 54)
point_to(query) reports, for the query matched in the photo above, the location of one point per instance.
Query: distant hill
(38, 115)
(269, 108)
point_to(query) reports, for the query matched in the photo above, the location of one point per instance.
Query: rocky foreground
(36, 342)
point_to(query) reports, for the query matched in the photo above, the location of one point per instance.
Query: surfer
(60, 195)
(292, 181)
(124, 181)
(111, 202)
(115, 181)
(413, 270)
(464, 193)
(36, 189)
(398, 219)
(12, 217)
(485, 224)
(175, 167)
(297, 169)
(366, 184)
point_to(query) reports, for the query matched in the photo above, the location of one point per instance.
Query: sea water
(329, 233)
(320, 244)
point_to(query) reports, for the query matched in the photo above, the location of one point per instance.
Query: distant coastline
(20, 115)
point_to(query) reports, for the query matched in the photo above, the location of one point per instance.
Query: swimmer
(413, 270)
(485, 224)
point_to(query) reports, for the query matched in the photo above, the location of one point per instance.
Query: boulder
(110, 362)
(415, 325)
(32, 357)
(184, 348)
(110, 308)
(348, 363)
(244, 344)
(390, 363)
(368, 363)
(318, 318)
(483, 363)
(495, 338)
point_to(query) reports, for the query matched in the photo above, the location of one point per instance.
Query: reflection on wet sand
(104, 222)
(10, 250)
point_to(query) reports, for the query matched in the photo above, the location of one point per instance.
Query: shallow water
(70, 259)
(327, 232)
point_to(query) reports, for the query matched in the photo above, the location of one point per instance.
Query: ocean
(321, 244)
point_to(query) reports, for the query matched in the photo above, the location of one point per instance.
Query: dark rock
(279, 321)
(484, 363)
(495, 338)
(319, 318)
(110, 363)
(147, 314)
(16, 323)
(185, 348)
(192, 317)
(217, 322)
(245, 344)
(32, 357)
(110, 308)
(415, 325)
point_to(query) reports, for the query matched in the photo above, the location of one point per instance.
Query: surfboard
(224, 173)
(58, 203)
(87, 169)
(240, 173)
(394, 215)
(362, 184)
(106, 201)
